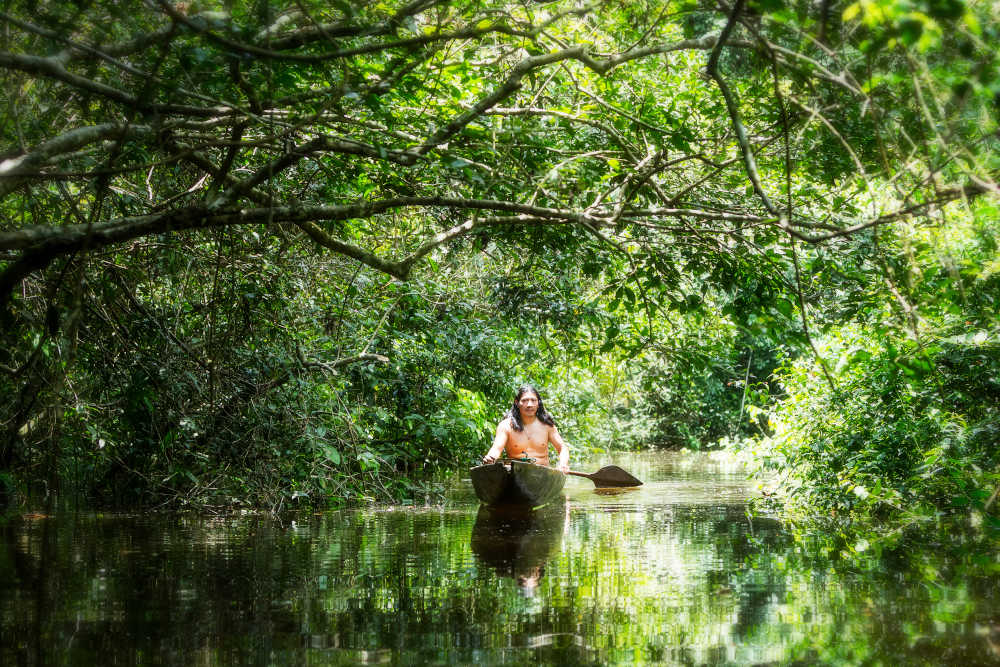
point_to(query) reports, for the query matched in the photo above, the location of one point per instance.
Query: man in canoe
(527, 430)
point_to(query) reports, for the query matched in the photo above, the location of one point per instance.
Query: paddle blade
(613, 476)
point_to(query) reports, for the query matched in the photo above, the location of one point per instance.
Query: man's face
(528, 404)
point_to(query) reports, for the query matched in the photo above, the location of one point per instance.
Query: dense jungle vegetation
(271, 253)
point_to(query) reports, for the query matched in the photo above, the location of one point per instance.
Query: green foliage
(905, 430)
(908, 432)
(281, 252)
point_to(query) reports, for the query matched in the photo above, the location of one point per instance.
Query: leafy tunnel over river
(272, 270)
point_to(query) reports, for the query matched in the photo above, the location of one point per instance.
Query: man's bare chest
(533, 435)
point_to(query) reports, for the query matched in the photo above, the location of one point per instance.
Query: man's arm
(561, 447)
(499, 442)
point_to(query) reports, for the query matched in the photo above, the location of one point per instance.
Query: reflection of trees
(670, 580)
(918, 602)
(668, 584)
(117, 587)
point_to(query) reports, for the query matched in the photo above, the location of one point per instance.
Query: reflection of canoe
(516, 483)
(518, 541)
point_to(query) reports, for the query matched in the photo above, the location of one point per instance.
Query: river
(673, 573)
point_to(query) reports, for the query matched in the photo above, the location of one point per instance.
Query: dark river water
(673, 573)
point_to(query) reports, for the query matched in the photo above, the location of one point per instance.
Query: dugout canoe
(516, 483)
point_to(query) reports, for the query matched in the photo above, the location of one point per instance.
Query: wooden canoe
(516, 483)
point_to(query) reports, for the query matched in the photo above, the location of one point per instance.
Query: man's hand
(488, 460)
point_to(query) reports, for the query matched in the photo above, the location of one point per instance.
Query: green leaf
(785, 307)
(910, 31)
(332, 454)
(767, 6)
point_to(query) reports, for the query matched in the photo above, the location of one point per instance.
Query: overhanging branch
(734, 114)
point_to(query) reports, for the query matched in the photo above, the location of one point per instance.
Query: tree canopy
(634, 122)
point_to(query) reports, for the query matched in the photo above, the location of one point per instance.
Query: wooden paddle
(609, 477)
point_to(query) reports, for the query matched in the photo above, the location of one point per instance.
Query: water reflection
(671, 573)
(517, 541)
(615, 491)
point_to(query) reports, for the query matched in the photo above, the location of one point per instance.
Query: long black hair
(515, 412)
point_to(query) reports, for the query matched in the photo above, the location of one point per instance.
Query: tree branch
(52, 68)
(12, 169)
(733, 110)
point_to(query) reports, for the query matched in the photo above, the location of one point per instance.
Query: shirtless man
(527, 430)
